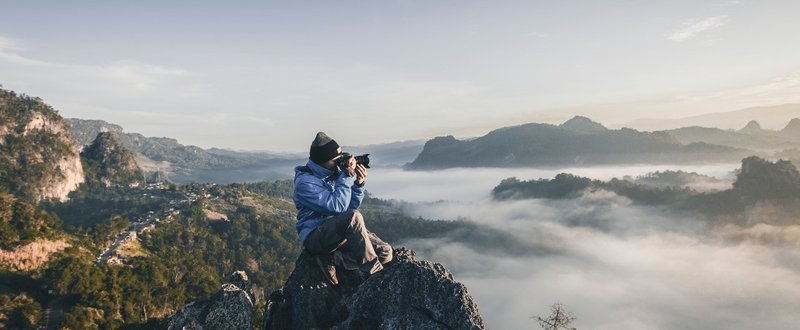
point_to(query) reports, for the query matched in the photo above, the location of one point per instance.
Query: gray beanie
(323, 148)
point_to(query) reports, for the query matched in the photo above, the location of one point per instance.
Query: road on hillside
(54, 313)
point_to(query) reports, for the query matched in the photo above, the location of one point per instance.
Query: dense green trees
(19, 312)
(760, 182)
(22, 222)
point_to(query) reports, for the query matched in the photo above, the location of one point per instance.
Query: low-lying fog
(612, 264)
(477, 183)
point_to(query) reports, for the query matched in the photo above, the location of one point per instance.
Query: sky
(263, 75)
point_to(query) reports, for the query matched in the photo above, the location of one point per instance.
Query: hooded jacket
(320, 194)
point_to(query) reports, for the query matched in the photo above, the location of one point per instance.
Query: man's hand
(361, 175)
(351, 166)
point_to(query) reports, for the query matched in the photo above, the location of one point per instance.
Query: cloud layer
(615, 265)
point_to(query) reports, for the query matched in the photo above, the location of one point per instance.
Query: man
(327, 197)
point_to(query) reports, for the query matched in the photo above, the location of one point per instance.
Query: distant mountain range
(186, 163)
(752, 136)
(578, 141)
(769, 116)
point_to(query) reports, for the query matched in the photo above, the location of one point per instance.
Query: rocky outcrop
(230, 308)
(110, 163)
(38, 155)
(407, 294)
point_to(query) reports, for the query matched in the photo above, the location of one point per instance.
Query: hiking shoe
(328, 269)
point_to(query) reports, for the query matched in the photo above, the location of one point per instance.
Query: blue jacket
(320, 194)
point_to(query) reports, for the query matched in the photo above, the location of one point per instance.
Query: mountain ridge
(770, 116)
(751, 136)
(578, 141)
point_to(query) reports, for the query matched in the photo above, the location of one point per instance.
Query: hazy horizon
(267, 76)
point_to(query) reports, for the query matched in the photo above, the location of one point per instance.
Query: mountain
(752, 127)
(389, 154)
(407, 294)
(109, 163)
(769, 117)
(184, 164)
(793, 128)
(583, 125)
(576, 142)
(157, 149)
(752, 136)
(39, 159)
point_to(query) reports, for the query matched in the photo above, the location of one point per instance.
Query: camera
(362, 159)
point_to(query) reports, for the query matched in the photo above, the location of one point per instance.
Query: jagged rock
(407, 294)
(239, 278)
(230, 308)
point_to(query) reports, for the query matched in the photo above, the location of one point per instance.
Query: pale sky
(265, 75)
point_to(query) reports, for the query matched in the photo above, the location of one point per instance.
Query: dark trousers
(352, 245)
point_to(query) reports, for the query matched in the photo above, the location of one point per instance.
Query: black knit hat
(323, 148)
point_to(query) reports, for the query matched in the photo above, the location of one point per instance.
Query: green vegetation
(759, 182)
(156, 148)
(107, 163)
(27, 159)
(187, 259)
(91, 206)
(22, 222)
(19, 312)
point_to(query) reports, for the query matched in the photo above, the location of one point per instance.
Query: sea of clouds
(613, 264)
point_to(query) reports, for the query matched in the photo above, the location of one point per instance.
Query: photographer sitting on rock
(327, 193)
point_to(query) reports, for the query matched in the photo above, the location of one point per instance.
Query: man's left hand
(361, 174)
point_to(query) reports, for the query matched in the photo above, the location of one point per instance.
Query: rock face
(110, 163)
(230, 308)
(407, 294)
(38, 155)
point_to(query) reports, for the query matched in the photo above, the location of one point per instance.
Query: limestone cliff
(39, 159)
